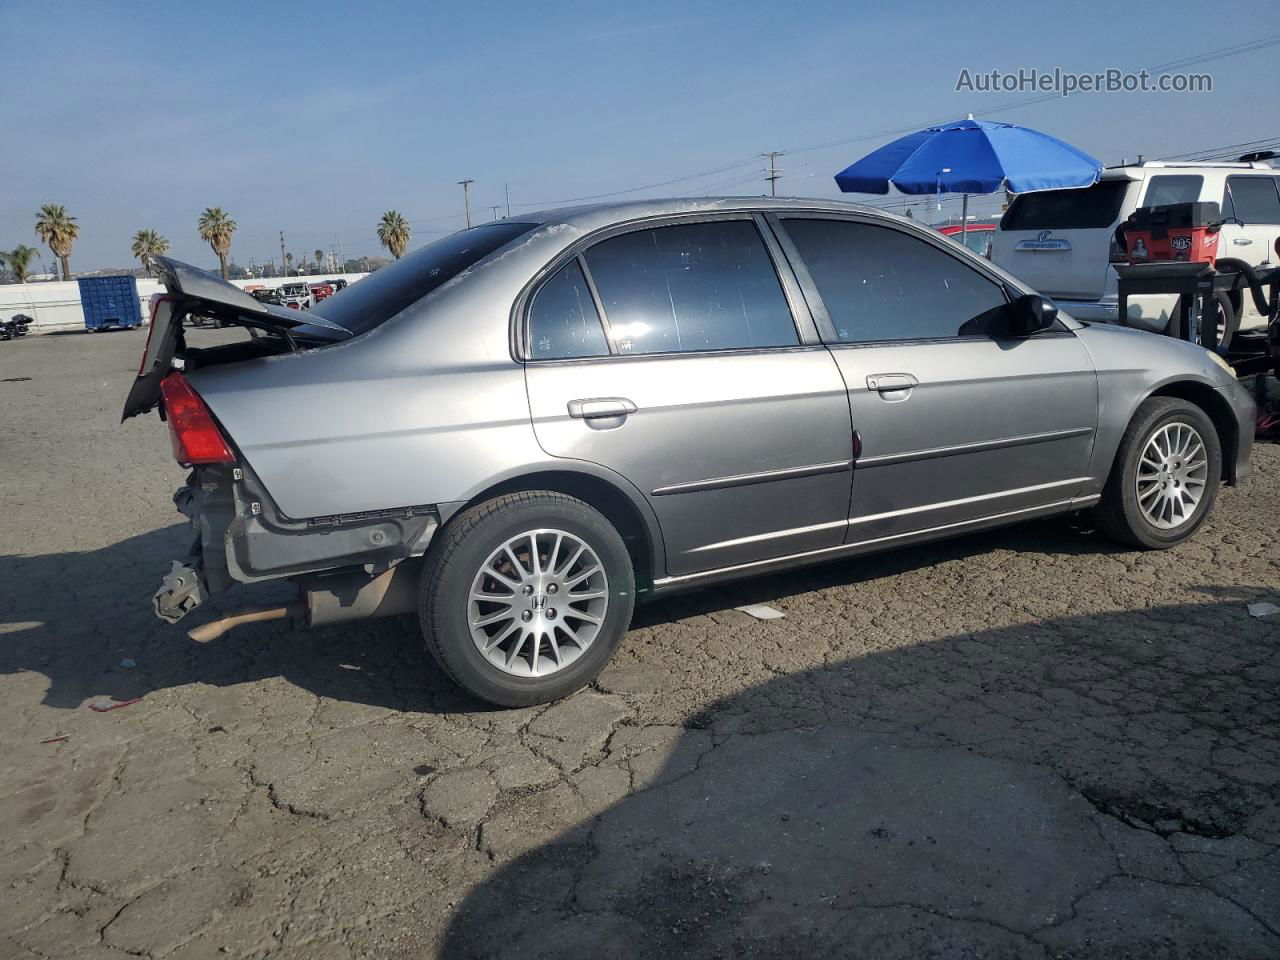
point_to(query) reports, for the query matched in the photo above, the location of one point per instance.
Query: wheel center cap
(539, 602)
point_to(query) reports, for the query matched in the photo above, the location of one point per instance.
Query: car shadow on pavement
(75, 617)
(1084, 786)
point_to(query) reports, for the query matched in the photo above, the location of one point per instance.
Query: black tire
(1226, 320)
(1119, 515)
(461, 550)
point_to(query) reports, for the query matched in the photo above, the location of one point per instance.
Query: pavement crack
(275, 800)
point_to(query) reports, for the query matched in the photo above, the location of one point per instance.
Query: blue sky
(314, 118)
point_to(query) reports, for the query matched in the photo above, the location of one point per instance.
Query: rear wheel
(525, 597)
(1165, 477)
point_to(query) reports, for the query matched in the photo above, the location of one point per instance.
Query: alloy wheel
(538, 602)
(1171, 476)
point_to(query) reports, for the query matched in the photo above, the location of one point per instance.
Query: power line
(1196, 59)
(648, 186)
(1229, 149)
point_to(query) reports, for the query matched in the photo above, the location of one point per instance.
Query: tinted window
(563, 321)
(381, 295)
(1254, 199)
(882, 284)
(1167, 189)
(698, 286)
(1080, 209)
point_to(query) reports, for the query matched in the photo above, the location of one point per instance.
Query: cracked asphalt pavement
(1024, 744)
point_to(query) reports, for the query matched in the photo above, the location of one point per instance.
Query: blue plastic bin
(110, 303)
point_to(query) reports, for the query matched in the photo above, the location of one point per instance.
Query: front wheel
(1165, 477)
(525, 597)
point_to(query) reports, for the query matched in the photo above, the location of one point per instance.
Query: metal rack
(1197, 286)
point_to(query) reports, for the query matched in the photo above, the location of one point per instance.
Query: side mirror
(1029, 315)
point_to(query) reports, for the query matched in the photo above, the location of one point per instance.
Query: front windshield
(383, 294)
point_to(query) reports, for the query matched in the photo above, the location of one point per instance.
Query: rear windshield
(1172, 188)
(1080, 209)
(381, 295)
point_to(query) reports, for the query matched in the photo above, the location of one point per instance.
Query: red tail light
(196, 438)
(1118, 253)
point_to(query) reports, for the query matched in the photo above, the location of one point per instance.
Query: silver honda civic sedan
(522, 428)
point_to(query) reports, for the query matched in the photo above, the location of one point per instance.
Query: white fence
(55, 305)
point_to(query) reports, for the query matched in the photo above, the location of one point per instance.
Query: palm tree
(288, 263)
(59, 230)
(216, 229)
(320, 260)
(394, 232)
(19, 260)
(148, 244)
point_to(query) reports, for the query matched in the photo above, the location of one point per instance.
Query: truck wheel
(1224, 316)
(525, 597)
(1165, 476)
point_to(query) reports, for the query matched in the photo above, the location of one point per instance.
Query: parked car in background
(297, 296)
(977, 237)
(519, 429)
(266, 295)
(337, 285)
(320, 291)
(1062, 242)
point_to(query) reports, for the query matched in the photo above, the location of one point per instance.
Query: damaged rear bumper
(348, 561)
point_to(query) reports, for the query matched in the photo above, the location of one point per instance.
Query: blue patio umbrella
(971, 156)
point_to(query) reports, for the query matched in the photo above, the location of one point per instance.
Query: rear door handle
(1242, 241)
(600, 408)
(886, 382)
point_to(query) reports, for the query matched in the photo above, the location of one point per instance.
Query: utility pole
(495, 207)
(282, 257)
(342, 257)
(507, 190)
(466, 197)
(774, 173)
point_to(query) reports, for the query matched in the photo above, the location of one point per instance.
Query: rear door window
(1252, 199)
(563, 320)
(881, 284)
(1086, 208)
(386, 292)
(1172, 188)
(691, 287)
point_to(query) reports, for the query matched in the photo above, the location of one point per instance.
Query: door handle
(600, 408)
(1242, 241)
(886, 382)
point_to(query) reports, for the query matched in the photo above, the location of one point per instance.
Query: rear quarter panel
(429, 407)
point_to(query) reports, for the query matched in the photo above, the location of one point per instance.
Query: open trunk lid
(1059, 241)
(192, 291)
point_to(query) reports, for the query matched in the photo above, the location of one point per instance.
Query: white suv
(1061, 241)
